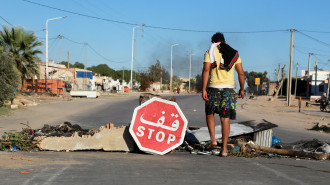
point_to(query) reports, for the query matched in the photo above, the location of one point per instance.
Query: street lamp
(46, 69)
(190, 70)
(328, 83)
(172, 67)
(133, 55)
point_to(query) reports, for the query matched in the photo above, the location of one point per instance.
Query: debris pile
(244, 146)
(16, 141)
(325, 127)
(65, 129)
(68, 137)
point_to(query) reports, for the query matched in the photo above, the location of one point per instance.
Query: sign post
(257, 82)
(158, 126)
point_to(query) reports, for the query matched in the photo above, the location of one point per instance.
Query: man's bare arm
(241, 79)
(205, 76)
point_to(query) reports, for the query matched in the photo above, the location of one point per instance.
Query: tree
(279, 83)
(165, 76)
(199, 83)
(176, 82)
(250, 79)
(9, 77)
(21, 46)
(78, 65)
(65, 63)
(103, 70)
(145, 81)
(155, 72)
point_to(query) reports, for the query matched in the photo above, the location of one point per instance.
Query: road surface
(97, 167)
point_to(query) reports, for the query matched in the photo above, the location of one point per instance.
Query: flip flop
(211, 147)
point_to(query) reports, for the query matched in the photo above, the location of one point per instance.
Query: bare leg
(225, 126)
(211, 126)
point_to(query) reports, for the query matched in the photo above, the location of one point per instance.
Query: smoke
(180, 56)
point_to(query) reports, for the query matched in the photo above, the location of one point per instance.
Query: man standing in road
(220, 97)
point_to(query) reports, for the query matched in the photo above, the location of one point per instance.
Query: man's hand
(241, 93)
(204, 94)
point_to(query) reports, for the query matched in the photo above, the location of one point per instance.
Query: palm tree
(22, 46)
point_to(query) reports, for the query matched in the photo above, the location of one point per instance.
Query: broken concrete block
(14, 106)
(7, 102)
(115, 139)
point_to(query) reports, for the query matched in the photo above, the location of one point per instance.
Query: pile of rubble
(68, 137)
(244, 146)
(246, 139)
(325, 127)
(65, 129)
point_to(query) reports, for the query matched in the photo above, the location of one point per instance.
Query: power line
(316, 31)
(73, 41)
(91, 49)
(310, 37)
(306, 53)
(102, 55)
(149, 26)
(6, 21)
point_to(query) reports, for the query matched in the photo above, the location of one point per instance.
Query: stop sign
(158, 126)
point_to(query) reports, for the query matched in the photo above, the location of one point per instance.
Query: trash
(65, 129)
(275, 140)
(243, 146)
(237, 149)
(201, 135)
(292, 153)
(23, 172)
(15, 141)
(201, 153)
(325, 127)
(325, 148)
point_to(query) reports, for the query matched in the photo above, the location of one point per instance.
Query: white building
(318, 82)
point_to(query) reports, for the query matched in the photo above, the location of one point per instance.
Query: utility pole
(190, 72)
(60, 48)
(295, 88)
(309, 63)
(171, 78)
(161, 77)
(315, 78)
(289, 83)
(123, 75)
(132, 63)
(68, 60)
(328, 86)
(85, 62)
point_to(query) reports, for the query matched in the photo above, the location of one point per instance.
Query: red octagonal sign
(158, 126)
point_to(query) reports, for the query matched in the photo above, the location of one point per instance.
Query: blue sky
(107, 25)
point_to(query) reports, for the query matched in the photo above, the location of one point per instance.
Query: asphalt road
(97, 167)
(179, 168)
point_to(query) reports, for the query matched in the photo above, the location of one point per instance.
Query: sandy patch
(21, 160)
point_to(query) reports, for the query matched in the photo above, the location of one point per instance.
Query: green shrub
(9, 78)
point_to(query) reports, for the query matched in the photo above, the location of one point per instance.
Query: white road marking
(280, 174)
(43, 174)
(58, 173)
